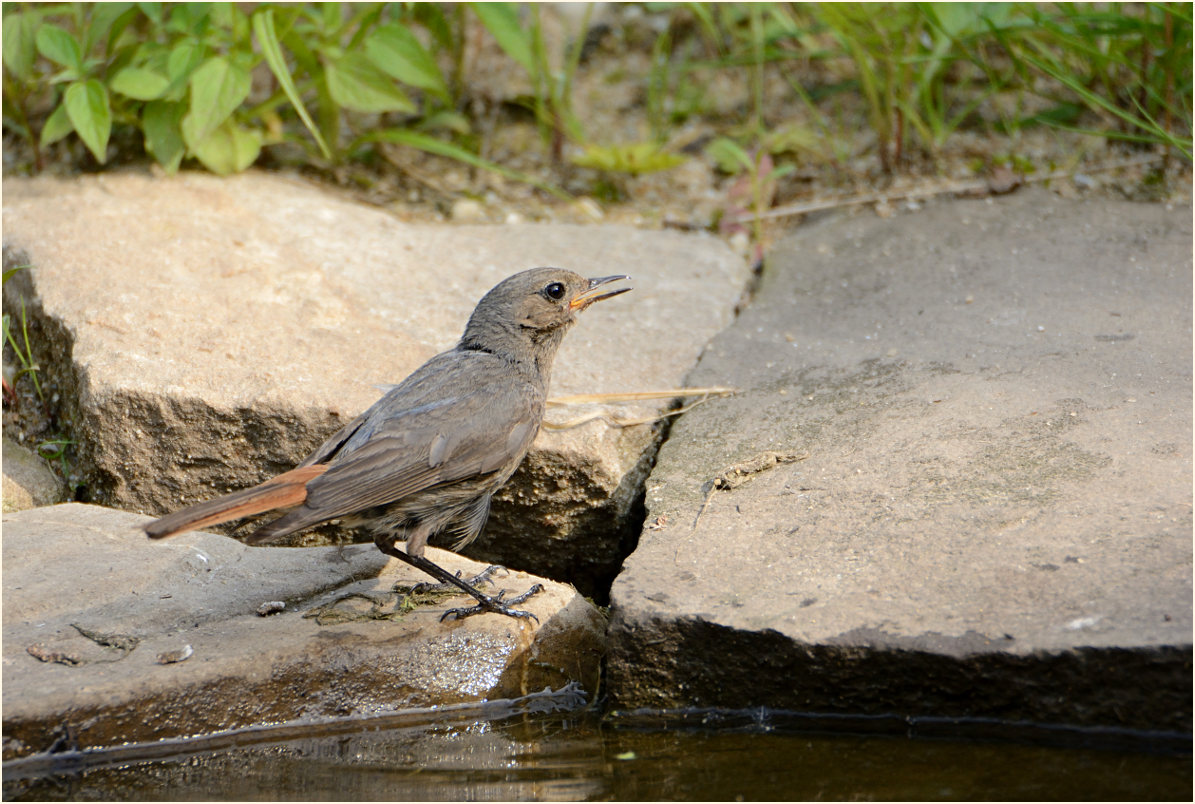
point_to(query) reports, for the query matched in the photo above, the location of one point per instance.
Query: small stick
(632, 396)
(737, 474)
(961, 187)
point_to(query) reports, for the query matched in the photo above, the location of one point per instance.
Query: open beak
(593, 294)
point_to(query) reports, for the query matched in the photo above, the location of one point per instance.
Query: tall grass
(923, 70)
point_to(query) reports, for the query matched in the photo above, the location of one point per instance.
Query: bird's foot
(423, 587)
(497, 605)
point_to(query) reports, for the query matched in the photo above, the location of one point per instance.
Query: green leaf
(139, 83)
(20, 44)
(446, 120)
(229, 149)
(162, 123)
(184, 59)
(103, 15)
(153, 11)
(635, 159)
(57, 126)
(228, 17)
(217, 89)
(396, 51)
(356, 84)
(189, 19)
(87, 106)
(332, 18)
(116, 35)
(432, 17)
(59, 47)
(729, 155)
(271, 48)
(502, 21)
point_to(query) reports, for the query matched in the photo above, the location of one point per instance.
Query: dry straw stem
(631, 396)
(975, 186)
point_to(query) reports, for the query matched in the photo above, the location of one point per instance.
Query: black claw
(534, 590)
(485, 575)
(424, 587)
(496, 605)
(481, 608)
(484, 601)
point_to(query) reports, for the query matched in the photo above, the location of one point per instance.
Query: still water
(544, 755)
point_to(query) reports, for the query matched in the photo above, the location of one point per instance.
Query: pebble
(588, 208)
(467, 210)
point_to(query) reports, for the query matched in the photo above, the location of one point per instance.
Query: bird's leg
(485, 602)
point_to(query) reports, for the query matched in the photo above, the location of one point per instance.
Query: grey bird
(428, 455)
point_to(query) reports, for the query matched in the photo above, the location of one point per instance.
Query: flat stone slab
(206, 333)
(110, 638)
(957, 481)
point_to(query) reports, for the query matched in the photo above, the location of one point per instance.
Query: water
(578, 756)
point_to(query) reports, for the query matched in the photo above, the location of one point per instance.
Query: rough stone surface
(75, 568)
(978, 497)
(28, 482)
(207, 332)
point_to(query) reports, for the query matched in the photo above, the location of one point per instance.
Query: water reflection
(575, 756)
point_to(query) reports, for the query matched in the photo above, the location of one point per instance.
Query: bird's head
(526, 315)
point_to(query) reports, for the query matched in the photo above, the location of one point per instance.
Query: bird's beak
(591, 294)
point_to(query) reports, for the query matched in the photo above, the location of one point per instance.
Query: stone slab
(982, 506)
(92, 609)
(206, 333)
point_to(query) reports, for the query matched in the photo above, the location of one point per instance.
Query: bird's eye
(554, 291)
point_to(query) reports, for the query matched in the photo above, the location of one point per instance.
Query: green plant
(23, 348)
(357, 62)
(1128, 64)
(56, 450)
(552, 89)
(951, 33)
(881, 43)
(752, 194)
(178, 73)
(219, 82)
(634, 159)
(745, 36)
(191, 78)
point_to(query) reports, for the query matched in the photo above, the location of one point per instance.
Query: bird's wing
(324, 452)
(436, 427)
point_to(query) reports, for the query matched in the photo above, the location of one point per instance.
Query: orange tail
(284, 491)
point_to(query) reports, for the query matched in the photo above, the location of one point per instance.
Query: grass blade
(267, 37)
(431, 145)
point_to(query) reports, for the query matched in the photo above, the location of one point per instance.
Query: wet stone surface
(109, 637)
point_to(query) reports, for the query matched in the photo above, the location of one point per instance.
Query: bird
(427, 456)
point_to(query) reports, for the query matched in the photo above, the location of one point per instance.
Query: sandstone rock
(109, 637)
(206, 333)
(28, 482)
(957, 482)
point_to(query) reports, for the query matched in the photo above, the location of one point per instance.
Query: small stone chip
(174, 656)
(270, 607)
(44, 654)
